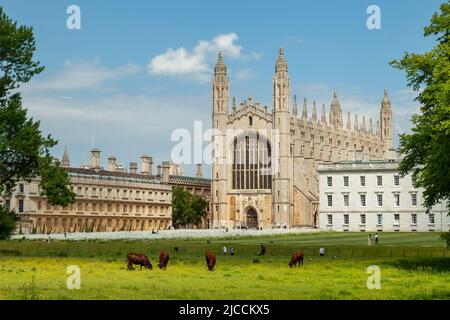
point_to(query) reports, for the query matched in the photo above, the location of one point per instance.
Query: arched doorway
(252, 219)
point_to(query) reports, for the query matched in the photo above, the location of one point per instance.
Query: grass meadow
(413, 266)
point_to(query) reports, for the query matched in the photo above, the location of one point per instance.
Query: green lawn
(413, 266)
(238, 278)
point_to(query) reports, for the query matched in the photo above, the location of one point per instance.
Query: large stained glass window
(251, 167)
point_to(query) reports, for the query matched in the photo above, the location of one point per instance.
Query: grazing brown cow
(163, 259)
(139, 259)
(210, 260)
(297, 257)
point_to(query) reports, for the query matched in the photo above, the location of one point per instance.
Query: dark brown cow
(210, 260)
(139, 259)
(297, 257)
(163, 259)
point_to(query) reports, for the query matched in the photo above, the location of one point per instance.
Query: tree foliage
(446, 237)
(24, 150)
(187, 208)
(8, 220)
(427, 149)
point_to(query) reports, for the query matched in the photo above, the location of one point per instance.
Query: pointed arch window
(251, 167)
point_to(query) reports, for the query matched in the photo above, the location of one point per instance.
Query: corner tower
(336, 112)
(386, 124)
(219, 119)
(281, 143)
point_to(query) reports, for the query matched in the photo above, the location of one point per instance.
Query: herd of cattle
(143, 260)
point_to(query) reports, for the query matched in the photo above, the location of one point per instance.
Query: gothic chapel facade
(265, 162)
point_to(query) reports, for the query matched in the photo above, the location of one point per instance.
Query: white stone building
(371, 196)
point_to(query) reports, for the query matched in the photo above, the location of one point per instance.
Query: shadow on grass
(423, 264)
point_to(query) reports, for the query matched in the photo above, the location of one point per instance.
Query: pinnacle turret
(386, 101)
(349, 125)
(305, 110)
(294, 108)
(335, 104)
(281, 65)
(314, 112)
(323, 119)
(335, 112)
(355, 124)
(220, 67)
(65, 163)
(220, 87)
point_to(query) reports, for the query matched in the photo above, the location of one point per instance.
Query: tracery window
(251, 167)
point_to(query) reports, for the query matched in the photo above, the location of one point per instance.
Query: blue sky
(137, 70)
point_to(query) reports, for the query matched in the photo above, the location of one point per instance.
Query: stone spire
(323, 120)
(314, 112)
(281, 85)
(355, 124)
(335, 104)
(335, 112)
(349, 125)
(294, 108)
(234, 104)
(386, 101)
(363, 125)
(386, 123)
(220, 67)
(370, 125)
(281, 65)
(65, 163)
(305, 110)
(220, 87)
(199, 172)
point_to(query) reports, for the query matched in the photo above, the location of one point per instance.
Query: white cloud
(293, 40)
(244, 74)
(81, 74)
(125, 125)
(195, 64)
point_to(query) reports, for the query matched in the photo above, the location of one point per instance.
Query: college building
(107, 199)
(371, 196)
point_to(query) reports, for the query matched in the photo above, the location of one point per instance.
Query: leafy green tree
(24, 150)
(187, 208)
(427, 149)
(8, 220)
(446, 237)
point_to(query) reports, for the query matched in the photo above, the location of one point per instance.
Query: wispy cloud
(293, 40)
(244, 74)
(81, 74)
(196, 64)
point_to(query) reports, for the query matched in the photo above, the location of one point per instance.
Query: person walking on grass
(322, 251)
(369, 240)
(224, 250)
(231, 251)
(376, 238)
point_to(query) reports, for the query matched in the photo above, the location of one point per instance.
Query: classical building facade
(264, 172)
(371, 196)
(107, 199)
